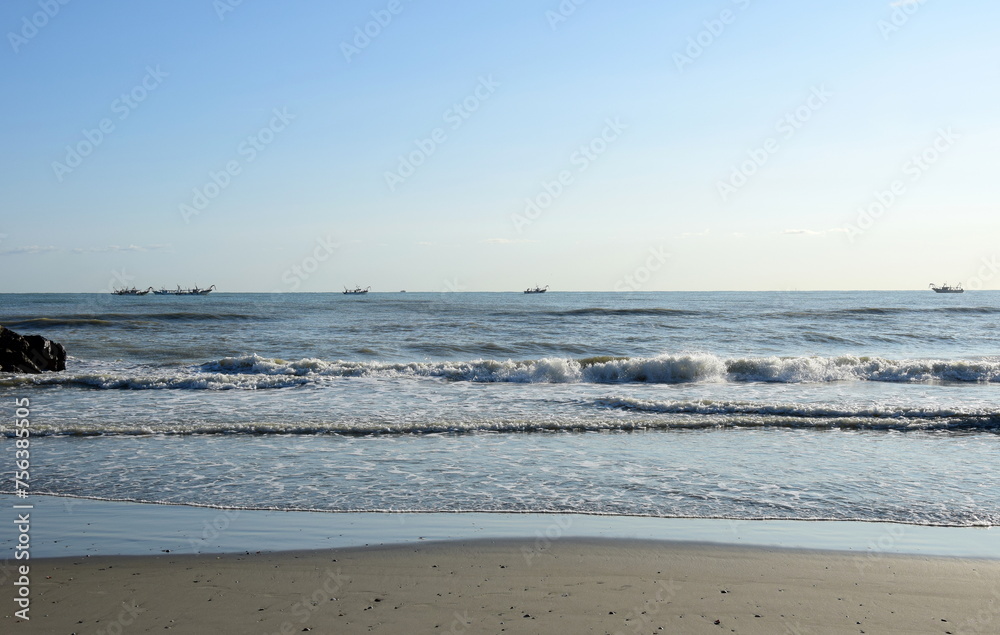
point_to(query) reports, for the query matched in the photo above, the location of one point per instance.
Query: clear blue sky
(692, 177)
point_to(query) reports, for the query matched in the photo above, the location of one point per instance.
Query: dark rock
(29, 354)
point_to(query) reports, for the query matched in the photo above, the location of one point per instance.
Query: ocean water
(874, 406)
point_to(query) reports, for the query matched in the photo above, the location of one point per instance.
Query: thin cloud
(37, 249)
(506, 241)
(812, 232)
(704, 233)
(28, 249)
(112, 248)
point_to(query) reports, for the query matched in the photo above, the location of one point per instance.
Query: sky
(588, 145)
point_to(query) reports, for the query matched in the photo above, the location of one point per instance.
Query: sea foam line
(487, 510)
(252, 372)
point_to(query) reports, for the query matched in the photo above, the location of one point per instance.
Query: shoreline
(572, 585)
(66, 526)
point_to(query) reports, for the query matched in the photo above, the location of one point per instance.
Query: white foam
(252, 372)
(811, 411)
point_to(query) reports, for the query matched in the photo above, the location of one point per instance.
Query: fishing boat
(132, 291)
(537, 289)
(179, 291)
(356, 291)
(947, 288)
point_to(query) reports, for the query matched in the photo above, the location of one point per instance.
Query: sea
(878, 406)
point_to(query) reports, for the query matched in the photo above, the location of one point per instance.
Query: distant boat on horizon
(132, 291)
(356, 290)
(537, 289)
(179, 291)
(946, 288)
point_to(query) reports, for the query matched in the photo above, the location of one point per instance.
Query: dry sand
(567, 586)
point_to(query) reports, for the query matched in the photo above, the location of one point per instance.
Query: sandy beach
(566, 586)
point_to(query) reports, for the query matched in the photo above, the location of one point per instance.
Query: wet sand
(510, 586)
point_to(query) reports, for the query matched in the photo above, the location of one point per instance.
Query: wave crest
(256, 372)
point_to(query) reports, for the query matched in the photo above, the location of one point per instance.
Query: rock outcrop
(29, 353)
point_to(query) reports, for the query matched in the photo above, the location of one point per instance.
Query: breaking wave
(664, 369)
(255, 372)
